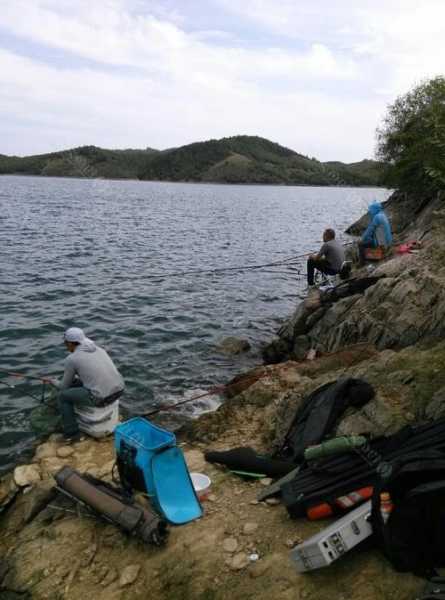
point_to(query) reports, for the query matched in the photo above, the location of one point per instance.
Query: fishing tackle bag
(413, 536)
(113, 505)
(357, 285)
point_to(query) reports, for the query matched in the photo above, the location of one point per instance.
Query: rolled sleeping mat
(113, 505)
(338, 445)
(247, 459)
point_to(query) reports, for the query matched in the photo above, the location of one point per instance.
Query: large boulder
(404, 305)
(400, 209)
(233, 345)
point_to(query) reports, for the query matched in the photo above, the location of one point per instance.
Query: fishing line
(283, 262)
(12, 387)
(217, 389)
(45, 380)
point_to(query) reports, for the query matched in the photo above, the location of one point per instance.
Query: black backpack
(413, 537)
(319, 413)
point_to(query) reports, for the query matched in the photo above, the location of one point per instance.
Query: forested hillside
(239, 159)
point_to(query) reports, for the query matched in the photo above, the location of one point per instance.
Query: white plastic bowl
(201, 484)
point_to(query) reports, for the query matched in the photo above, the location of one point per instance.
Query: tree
(411, 140)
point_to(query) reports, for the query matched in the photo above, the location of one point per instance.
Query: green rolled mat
(337, 445)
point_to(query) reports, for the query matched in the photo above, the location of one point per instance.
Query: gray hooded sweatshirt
(95, 370)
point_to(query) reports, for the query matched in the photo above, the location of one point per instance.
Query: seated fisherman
(378, 232)
(329, 259)
(90, 378)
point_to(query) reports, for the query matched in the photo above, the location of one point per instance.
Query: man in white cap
(90, 378)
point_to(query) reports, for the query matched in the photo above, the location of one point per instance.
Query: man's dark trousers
(321, 265)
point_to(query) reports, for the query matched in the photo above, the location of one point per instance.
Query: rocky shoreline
(392, 334)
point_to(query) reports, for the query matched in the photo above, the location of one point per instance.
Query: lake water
(89, 252)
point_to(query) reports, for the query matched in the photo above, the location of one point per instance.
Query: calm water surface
(85, 253)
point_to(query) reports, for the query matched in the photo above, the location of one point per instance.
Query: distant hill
(239, 159)
(86, 161)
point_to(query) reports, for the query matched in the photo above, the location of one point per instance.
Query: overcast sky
(313, 75)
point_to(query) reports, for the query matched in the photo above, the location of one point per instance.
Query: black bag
(113, 505)
(131, 475)
(320, 412)
(351, 287)
(413, 537)
(435, 589)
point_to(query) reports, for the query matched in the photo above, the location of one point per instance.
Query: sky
(316, 76)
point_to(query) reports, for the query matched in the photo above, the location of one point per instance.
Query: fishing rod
(217, 389)
(43, 380)
(284, 262)
(217, 270)
(12, 387)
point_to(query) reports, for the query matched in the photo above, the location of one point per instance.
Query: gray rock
(301, 346)
(8, 491)
(109, 578)
(37, 499)
(258, 569)
(129, 575)
(436, 408)
(276, 351)
(27, 475)
(250, 528)
(51, 465)
(65, 451)
(239, 562)
(4, 568)
(233, 345)
(230, 545)
(46, 450)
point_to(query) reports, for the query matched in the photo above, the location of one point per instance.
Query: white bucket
(201, 485)
(98, 421)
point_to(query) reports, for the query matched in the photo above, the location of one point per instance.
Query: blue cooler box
(136, 441)
(149, 461)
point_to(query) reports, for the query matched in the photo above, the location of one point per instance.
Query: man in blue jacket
(378, 232)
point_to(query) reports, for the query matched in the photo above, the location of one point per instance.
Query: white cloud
(152, 82)
(400, 40)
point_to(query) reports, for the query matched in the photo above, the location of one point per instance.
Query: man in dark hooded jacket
(378, 232)
(90, 378)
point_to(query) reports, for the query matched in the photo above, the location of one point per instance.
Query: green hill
(86, 161)
(251, 159)
(238, 159)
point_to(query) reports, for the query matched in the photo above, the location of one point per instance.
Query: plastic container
(98, 421)
(377, 253)
(144, 440)
(201, 484)
(386, 506)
